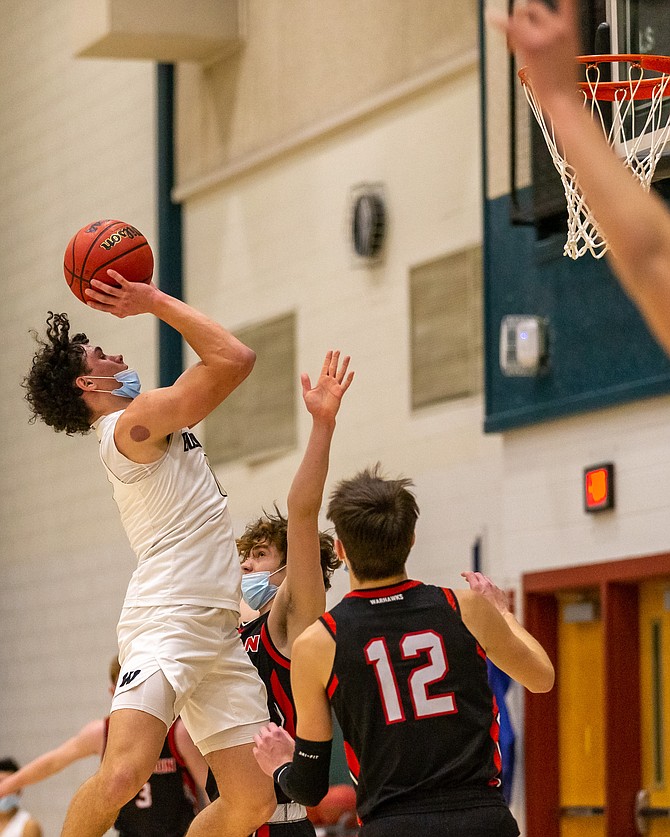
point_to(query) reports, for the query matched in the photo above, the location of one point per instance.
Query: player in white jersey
(178, 645)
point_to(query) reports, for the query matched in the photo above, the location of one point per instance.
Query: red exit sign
(599, 487)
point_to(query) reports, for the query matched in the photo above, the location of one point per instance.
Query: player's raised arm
(635, 223)
(224, 363)
(301, 599)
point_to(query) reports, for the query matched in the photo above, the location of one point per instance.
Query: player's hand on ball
(274, 747)
(126, 300)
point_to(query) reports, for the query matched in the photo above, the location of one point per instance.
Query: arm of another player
(89, 741)
(224, 363)
(635, 223)
(193, 759)
(32, 829)
(301, 599)
(303, 771)
(506, 642)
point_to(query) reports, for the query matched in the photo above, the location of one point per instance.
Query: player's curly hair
(272, 529)
(50, 385)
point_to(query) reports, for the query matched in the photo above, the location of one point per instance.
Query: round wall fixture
(368, 224)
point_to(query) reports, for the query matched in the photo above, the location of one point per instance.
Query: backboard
(641, 26)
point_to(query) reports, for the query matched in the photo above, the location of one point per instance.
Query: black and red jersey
(410, 690)
(275, 671)
(166, 803)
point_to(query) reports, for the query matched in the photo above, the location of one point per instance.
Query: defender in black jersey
(403, 665)
(286, 565)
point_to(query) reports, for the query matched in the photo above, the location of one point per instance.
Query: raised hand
(128, 299)
(483, 585)
(324, 398)
(545, 41)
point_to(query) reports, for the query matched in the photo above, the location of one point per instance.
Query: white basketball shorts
(211, 682)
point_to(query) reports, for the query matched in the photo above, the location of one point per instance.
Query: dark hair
(375, 519)
(272, 529)
(8, 765)
(50, 385)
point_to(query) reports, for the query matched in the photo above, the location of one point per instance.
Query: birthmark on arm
(139, 433)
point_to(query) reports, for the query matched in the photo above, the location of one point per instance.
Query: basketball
(102, 245)
(337, 807)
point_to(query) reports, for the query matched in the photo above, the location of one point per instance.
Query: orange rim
(609, 91)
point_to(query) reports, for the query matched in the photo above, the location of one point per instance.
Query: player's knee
(120, 783)
(260, 804)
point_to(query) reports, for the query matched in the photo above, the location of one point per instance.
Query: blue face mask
(9, 802)
(257, 589)
(129, 380)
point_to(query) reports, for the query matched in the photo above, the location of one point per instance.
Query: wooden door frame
(617, 583)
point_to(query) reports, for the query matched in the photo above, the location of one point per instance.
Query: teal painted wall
(601, 352)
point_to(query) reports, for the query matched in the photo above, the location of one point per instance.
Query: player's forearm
(623, 210)
(541, 678)
(305, 779)
(306, 493)
(213, 343)
(635, 223)
(37, 770)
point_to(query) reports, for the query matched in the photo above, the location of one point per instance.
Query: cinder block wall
(76, 144)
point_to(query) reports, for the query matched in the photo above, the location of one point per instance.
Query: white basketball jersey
(176, 517)
(16, 825)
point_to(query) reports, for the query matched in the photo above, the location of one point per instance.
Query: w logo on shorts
(128, 677)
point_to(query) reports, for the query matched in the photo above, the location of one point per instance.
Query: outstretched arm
(507, 643)
(224, 363)
(302, 597)
(635, 223)
(89, 741)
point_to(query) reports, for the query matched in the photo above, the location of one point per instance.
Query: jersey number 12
(420, 677)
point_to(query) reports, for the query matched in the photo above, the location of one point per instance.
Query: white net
(636, 125)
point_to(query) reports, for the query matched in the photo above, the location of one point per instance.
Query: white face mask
(257, 589)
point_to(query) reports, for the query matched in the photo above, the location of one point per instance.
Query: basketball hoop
(637, 134)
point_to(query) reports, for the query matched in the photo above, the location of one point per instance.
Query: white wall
(545, 525)
(76, 144)
(278, 240)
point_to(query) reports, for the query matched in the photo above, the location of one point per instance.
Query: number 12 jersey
(410, 690)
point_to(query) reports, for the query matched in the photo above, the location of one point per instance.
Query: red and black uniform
(410, 690)
(275, 671)
(166, 803)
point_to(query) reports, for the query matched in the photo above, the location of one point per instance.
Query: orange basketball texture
(339, 804)
(102, 245)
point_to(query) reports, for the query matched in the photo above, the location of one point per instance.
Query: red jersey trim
(284, 703)
(380, 592)
(450, 598)
(329, 624)
(352, 760)
(333, 683)
(276, 655)
(172, 744)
